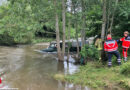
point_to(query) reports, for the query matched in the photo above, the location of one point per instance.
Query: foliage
(94, 21)
(21, 19)
(125, 83)
(5, 39)
(125, 69)
(90, 51)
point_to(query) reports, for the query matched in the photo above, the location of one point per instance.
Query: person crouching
(111, 47)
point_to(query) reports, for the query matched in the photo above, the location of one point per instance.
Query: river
(26, 69)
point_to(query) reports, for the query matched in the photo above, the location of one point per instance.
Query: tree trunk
(68, 54)
(76, 29)
(108, 16)
(83, 24)
(113, 16)
(103, 57)
(104, 21)
(63, 19)
(57, 33)
(77, 40)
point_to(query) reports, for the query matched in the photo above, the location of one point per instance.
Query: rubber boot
(109, 64)
(119, 61)
(125, 59)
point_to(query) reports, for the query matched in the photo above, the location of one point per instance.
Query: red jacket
(110, 45)
(125, 42)
(0, 80)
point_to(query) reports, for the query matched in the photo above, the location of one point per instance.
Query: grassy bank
(10, 41)
(39, 40)
(100, 77)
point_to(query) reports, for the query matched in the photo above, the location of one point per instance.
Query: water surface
(27, 69)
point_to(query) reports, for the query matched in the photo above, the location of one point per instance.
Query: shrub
(125, 69)
(125, 83)
(6, 39)
(90, 51)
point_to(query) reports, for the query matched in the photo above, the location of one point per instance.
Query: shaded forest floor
(99, 77)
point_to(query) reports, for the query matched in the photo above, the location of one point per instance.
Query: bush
(90, 51)
(5, 39)
(125, 83)
(125, 69)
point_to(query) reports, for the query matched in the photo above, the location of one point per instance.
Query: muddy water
(26, 69)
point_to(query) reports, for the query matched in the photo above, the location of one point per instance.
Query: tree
(103, 29)
(57, 32)
(64, 27)
(112, 19)
(83, 33)
(75, 14)
(104, 21)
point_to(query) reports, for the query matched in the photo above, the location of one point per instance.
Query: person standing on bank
(98, 44)
(125, 44)
(111, 47)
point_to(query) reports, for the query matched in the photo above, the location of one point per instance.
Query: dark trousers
(125, 50)
(110, 54)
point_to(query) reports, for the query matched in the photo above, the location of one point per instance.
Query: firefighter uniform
(98, 45)
(125, 45)
(111, 47)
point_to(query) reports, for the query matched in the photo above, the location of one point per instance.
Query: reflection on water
(29, 70)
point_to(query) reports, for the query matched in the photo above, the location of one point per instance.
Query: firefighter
(111, 47)
(125, 44)
(98, 44)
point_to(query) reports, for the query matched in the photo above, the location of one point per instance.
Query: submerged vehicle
(72, 43)
(52, 48)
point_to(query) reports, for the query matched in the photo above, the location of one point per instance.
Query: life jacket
(125, 42)
(110, 45)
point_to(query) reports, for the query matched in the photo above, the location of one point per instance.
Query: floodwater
(26, 69)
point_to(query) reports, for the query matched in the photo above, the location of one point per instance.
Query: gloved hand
(118, 40)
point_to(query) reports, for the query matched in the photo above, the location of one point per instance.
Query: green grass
(100, 77)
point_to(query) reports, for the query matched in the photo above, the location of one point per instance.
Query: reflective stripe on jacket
(110, 45)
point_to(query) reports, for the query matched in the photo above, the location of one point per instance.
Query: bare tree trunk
(63, 18)
(108, 16)
(104, 21)
(68, 54)
(83, 24)
(75, 25)
(103, 29)
(77, 40)
(113, 16)
(57, 34)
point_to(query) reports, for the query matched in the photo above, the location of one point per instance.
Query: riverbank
(40, 40)
(100, 77)
(11, 42)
